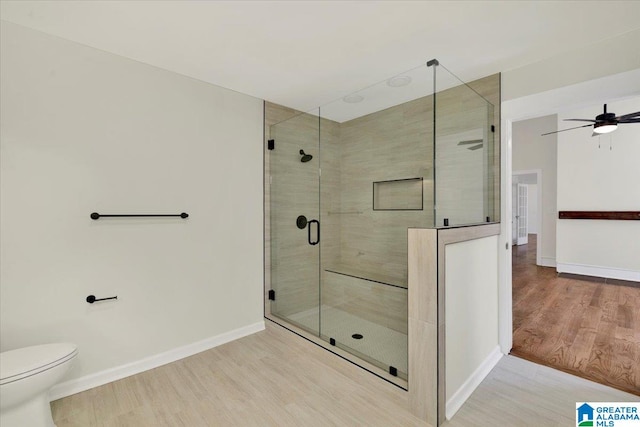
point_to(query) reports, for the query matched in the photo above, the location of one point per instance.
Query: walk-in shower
(417, 150)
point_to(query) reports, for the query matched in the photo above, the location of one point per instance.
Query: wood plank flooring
(276, 378)
(580, 325)
(272, 378)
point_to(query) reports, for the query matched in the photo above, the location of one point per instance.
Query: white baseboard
(462, 394)
(547, 262)
(103, 377)
(596, 271)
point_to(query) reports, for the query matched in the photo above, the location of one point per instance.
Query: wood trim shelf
(614, 215)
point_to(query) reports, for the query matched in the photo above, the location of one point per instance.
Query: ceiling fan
(603, 123)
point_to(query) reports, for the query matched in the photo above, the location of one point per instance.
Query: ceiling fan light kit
(603, 123)
(603, 128)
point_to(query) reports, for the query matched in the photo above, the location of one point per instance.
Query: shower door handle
(309, 232)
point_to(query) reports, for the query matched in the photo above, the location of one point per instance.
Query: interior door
(523, 232)
(294, 220)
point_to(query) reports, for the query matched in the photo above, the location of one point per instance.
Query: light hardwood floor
(276, 378)
(578, 324)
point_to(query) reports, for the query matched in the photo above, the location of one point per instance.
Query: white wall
(533, 151)
(600, 173)
(532, 206)
(615, 55)
(84, 131)
(471, 271)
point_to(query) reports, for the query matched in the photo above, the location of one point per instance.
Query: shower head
(305, 157)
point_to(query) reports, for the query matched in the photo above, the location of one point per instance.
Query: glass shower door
(295, 227)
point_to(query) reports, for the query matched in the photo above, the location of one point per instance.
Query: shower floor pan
(379, 345)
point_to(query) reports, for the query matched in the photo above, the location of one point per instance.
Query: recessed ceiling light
(353, 98)
(399, 81)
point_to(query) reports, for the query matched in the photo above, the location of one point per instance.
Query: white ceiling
(306, 54)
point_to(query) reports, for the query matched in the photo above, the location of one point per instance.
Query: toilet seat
(25, 362)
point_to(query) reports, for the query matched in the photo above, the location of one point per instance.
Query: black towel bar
(96, 215)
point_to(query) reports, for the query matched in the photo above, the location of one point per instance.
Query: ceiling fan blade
(629, 116)
(473, 141)
(630, 121)
(580, 120)
(475, 147)
(577, 127)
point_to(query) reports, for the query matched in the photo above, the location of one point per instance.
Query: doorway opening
(577, 324)
(527, 208)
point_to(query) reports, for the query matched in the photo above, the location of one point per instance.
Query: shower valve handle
(301, 222)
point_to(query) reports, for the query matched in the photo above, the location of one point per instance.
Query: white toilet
(26, 375)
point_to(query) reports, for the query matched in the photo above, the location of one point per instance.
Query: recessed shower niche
(398, 195)
(378, 162)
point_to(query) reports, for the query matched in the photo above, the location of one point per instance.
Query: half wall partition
(344, 183)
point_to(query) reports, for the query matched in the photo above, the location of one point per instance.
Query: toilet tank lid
(20, 361)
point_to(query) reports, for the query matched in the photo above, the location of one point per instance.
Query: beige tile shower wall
(460, 180)
(388, 145)
(294, 192)
(292, 189)
(331, 212)
(397, 143)
(490, 88)
(465, 179)
(273, 114)
(381, 304)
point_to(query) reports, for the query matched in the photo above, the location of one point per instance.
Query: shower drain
(357, 336)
